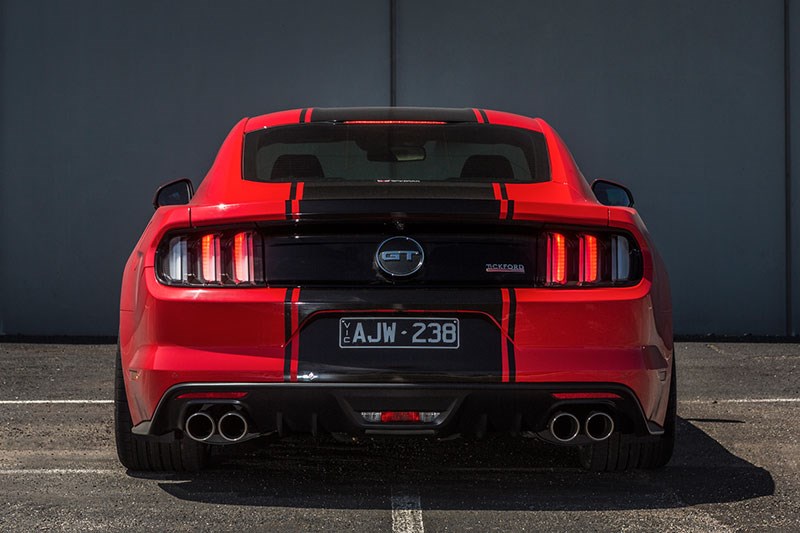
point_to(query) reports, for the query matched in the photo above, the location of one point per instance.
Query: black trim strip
(512, 324)
(303, 115)
(292, 197)
(483, 114)
(287, 333)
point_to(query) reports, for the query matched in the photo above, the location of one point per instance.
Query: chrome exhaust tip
(599, 426)
(564, 427)
(232, 426)
(200, 426)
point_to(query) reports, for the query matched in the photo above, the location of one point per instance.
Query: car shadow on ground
(490, 474)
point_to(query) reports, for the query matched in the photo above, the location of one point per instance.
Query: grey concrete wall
(681, 100)
(102, 101)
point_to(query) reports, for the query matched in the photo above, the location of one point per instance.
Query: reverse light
(620, 259)
(177, 261)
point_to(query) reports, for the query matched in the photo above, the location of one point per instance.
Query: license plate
(371, 332)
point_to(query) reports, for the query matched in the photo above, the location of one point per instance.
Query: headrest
(296, 166)
(495, 167)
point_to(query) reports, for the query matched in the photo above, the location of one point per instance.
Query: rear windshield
(459, 152)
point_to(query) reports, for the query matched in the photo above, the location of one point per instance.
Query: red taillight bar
(586, 396)
(588, 269)
(209, 258)
(211, 395)
(243, 257)
(556, 258)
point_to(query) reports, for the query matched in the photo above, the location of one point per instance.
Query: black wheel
(139, 453)
(622, 452)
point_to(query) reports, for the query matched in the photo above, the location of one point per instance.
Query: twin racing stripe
(291, 349)
(293, 203)
(509, 323)
(506, 205)
(288, 329)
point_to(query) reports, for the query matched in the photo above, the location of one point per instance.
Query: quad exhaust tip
(564, 426)
(232, 426)
(200, 426)
(599, 426)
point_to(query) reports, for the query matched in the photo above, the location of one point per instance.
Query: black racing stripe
(303, 115)
(510, 211)
(323, 114)
(318, 190)
(401, 208)
(287, 332)
(292, 196)
(503, 191)
(512, 324)
(483, 114)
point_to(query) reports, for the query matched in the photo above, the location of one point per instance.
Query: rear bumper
(546, 341)
(464, 409)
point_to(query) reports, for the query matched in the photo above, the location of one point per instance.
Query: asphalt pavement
(735, 467)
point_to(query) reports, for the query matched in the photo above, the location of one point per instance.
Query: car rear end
(367, 273)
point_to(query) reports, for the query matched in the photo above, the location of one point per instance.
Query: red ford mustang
(395, 271)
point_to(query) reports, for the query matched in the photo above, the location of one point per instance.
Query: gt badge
(399, 256)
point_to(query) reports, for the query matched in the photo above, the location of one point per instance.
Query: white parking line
(745, 400)
(56, 471)
(28, 402)
(406, 514)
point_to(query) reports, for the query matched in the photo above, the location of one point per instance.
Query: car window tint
(368, 152)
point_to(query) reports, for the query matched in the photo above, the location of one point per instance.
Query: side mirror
(613, 194)
(177, 192)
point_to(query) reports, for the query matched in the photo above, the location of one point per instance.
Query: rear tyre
(622, 452)
(140, 453)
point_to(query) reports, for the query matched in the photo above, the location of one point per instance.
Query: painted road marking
(56, 471)
(29, 402)
(406, 514)
(745, 400)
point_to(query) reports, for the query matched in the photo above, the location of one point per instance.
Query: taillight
(620, 259)
(214, 258)
(243, 264)
(210, 252)
(177, 260)
(556, 259)
(587, 258)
